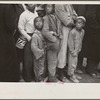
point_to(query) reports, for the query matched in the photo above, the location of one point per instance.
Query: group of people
(46, 40)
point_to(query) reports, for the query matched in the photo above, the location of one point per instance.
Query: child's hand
(74, 53)
(74, 17)
(28, 38)
(53, 33)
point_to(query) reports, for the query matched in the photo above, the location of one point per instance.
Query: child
(75, 44)
(38, 46)
(50, 33)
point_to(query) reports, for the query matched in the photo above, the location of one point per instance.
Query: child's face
(49, 8)
(39, 23)
(79, 24)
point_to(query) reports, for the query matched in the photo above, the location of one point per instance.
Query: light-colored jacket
(65, 13)
(38, 44)
(49, 25)
(75, 40)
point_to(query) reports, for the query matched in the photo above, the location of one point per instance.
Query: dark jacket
(91, 45)
(9, 69)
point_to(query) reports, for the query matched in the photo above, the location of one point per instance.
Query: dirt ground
(85, 79)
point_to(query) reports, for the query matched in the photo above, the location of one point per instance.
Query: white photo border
(50, 90)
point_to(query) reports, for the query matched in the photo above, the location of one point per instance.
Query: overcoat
(9, 69)
(91, 42)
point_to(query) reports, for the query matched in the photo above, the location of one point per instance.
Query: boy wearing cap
(75, 44)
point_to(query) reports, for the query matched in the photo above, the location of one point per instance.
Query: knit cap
(81, 17)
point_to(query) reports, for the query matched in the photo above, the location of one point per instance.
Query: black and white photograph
(50, 43)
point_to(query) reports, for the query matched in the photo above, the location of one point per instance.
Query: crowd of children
(49, 42)
(45, 41)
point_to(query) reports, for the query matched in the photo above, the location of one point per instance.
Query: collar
(38, 33)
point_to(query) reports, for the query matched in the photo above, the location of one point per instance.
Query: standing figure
(51, 35)
(9, 68)
(82, 61)
(75, 45)
(38, 45)
(20, 52)
(92, 40)
(66, 15)
(26, 28)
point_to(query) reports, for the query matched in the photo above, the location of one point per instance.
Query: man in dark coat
(9, 69)
(92, 39)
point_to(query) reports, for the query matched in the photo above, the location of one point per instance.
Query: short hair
(53, 5)
(36, 20)
(26, 4)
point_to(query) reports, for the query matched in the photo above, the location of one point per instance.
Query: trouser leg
(52, 56)
(52, 63)
(20, 58)
(80, 61)
(72, 63)
(39, 68)
(60, 73)
(92, 66)
(28, 63)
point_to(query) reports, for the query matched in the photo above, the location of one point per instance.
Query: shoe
(44, 79)
(55, 80)
(78, 71)
(94, 75)
(78, 77)
(65, 80)
(74, 79)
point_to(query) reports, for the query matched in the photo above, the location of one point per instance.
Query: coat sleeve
(63, 15)
(70, 41)
(34, 47)
(46, 31)
(21, 26)
(78, 45)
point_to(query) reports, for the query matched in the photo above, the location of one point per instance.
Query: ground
(85, 79)
(88, 79)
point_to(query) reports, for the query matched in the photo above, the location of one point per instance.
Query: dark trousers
(92, 66)
(28, 72)
(80, 61)
(20, 55)
(20, 59)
